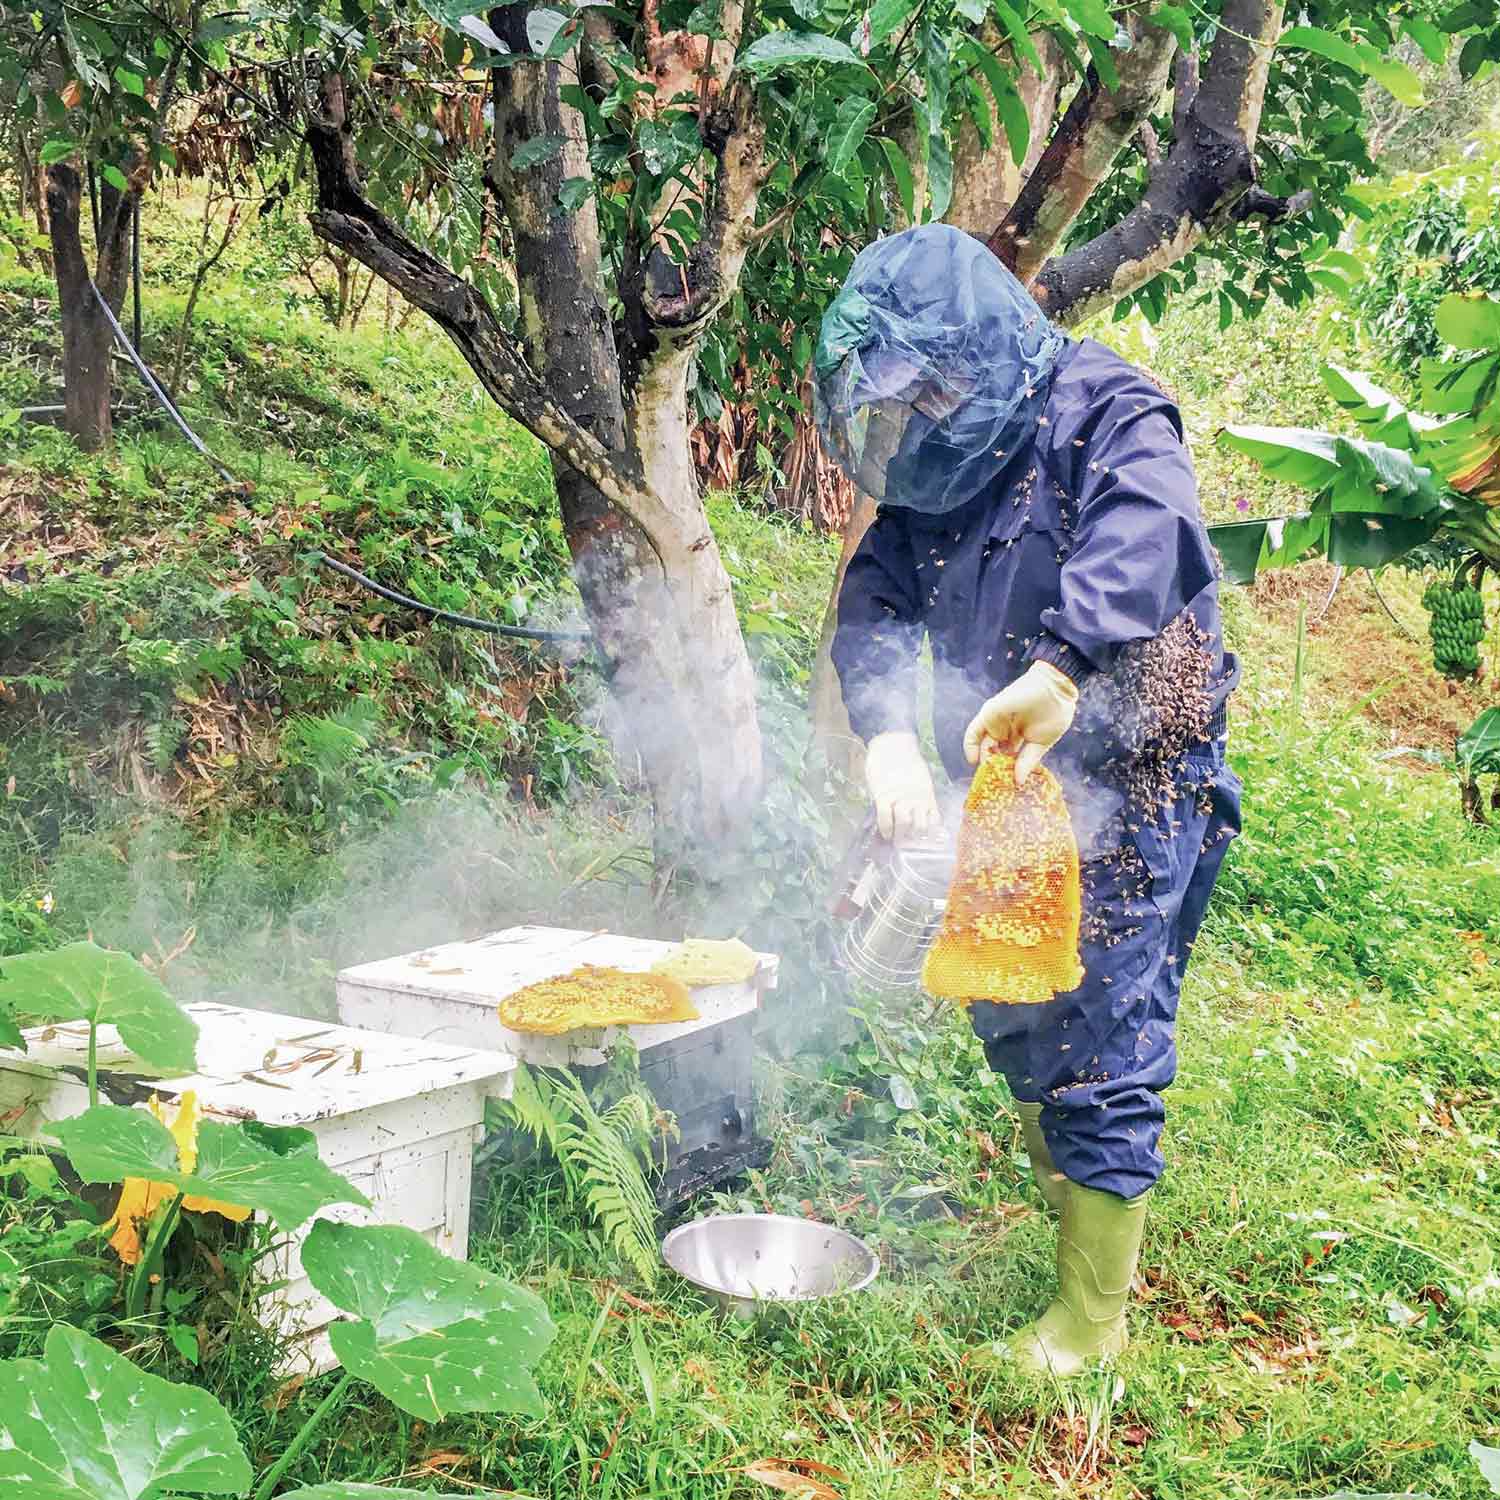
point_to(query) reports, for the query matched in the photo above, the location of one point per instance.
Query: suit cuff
(1056, 652)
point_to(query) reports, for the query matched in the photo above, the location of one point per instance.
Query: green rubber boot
(1098, 1245)
(1050, 1182)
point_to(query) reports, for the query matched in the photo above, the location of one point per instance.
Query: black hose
(154, 386)
(470, 622)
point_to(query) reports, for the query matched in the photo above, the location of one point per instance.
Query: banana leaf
(1354, 538)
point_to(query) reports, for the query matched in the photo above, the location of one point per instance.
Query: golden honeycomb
(1010, 930)
(705, 961)
(597, 996)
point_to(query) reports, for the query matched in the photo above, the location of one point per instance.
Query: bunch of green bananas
(1456, 627)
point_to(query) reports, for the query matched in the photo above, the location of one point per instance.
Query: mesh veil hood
(932, 366)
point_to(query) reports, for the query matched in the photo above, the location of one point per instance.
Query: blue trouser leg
(1099, 1056)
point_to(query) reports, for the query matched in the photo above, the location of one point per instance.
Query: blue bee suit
(1084, 548)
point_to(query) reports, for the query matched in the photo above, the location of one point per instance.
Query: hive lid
(482, 972)
(280, 1070)
(487, 969)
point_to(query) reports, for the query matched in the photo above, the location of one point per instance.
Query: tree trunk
(87, 338)
(987, 182)
(840, 748)
(679, 672)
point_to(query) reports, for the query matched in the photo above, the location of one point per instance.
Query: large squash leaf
(83, 982)
(109, 1143)
(11, 1034)
(435, 1335)
(84, 1423)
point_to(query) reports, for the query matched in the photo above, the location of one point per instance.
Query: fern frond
(603, 1150)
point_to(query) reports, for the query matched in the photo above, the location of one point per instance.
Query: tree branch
(736, 137)
(344, 218)
(1184, 91)
(1209, 169)
(1259, 204)
(1150, 143)
(1095, 129)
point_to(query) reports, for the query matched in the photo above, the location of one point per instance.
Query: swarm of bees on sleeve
(1010, 929)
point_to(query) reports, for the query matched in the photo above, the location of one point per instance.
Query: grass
(1318, 1303)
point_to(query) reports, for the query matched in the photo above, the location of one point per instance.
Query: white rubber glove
(1027, 719)
(900, 787)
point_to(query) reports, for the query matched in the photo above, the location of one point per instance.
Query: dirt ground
(1366, 657)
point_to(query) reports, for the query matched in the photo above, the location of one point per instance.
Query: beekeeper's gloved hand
(900, 787)
(1028, 718)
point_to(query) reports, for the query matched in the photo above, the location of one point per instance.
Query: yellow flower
(140, 1199)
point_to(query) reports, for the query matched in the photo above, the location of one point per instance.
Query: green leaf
(665, 147)
(1475, 53)
(1356, 541)
(543, 27)
(574, 193)
(1012, 111)
(56, 151)
(456, 16)
(84, 1423)
(887, 15)
(1376, 410)
(1093, 16)
(11, 1035)
(132, 83)
(1354, 475)
(937, 70)
(435, 1335)
(533, 152)
(1468, 320)
(110, 1143)
(1398, 80)
(1325, 44)
(848, 131)
(787, 49)
(939, 175)
(1433, 43)
(82, 982)
(902, 176)
(1176, 20)
(1104, 63)
(1479, 755)
(1020, 37)
(184, 1340)
(115, 178)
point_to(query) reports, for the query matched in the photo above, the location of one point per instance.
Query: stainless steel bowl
(751, 1261)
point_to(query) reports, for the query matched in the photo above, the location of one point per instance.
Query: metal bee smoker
(892, 903)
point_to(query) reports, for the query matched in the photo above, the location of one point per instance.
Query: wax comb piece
(595, 996)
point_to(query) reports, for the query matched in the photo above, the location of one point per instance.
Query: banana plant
(1414, 477)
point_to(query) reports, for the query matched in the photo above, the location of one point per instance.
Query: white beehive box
(398, 1117)
(450, 993)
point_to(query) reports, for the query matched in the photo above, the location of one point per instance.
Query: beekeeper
(1038, 524)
